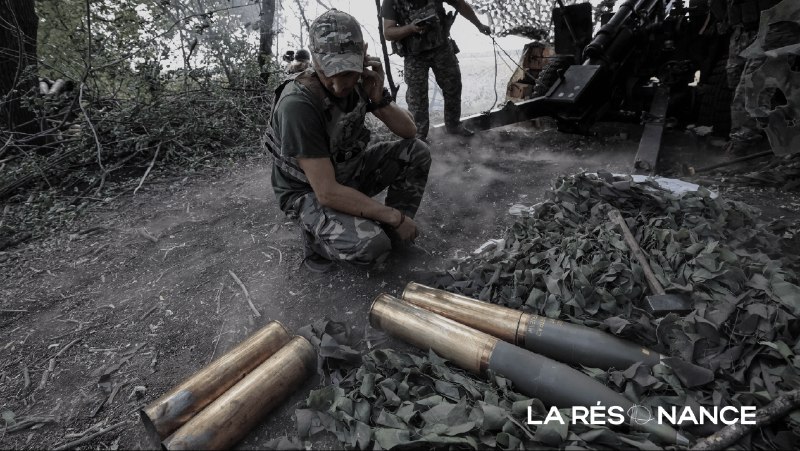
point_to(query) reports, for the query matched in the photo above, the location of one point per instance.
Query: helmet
(302, 55)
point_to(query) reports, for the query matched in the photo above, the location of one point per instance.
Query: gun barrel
(175, 408)
(532, 374)
(612, 41)
(231, 416)
(565, 342)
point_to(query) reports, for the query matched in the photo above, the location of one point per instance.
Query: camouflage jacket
(438, 30)
(347, 133)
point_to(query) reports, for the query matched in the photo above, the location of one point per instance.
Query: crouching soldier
(324, 176)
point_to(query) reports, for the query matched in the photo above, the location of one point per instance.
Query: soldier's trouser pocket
(454, 46)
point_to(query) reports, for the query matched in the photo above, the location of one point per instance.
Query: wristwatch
(385, 101)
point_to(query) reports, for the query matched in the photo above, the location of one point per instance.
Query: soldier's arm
(466, 10)
(399, 121)
(394, 32)
(332, 194)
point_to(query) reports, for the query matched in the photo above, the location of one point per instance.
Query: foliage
(164, 82)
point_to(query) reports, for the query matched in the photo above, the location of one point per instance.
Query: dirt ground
(139, 286)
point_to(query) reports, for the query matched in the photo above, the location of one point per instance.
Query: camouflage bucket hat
(337, 43)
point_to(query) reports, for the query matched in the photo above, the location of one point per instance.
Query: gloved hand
(485, 29)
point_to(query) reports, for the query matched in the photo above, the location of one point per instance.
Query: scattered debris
(89, 438)
(147, 313)
(780, 172)
(246, 293)
(703, 130)
(219, 292)
(26, 378)
(280, 254)
(26, 423)
(138, 391)
(143, 232)
(693, 171)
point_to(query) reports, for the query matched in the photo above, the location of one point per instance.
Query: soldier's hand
(373, 78)
(485, 29)
(415, 29)
(407, 230)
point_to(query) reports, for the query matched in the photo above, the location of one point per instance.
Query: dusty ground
(142, 282)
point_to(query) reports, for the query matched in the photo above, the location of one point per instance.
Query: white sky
(467, 36)
(477, 61)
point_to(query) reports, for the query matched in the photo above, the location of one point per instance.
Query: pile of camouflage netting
(563, 258)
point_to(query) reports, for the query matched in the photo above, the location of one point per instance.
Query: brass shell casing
(165, 415)
(465, 347)
(568, 343)
(231, 416)
(501, 322)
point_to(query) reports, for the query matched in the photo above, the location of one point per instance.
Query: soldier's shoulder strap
(309, 80)
(306, 79)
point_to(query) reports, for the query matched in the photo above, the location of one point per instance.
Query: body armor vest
(408, 11)
(347, 135)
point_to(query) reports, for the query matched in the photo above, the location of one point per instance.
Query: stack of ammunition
(217, 406)
(437, 320)
(568, 343)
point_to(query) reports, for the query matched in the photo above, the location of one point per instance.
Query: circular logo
(640, 414)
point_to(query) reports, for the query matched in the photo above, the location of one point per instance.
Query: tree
(267, 33)
(18, 31)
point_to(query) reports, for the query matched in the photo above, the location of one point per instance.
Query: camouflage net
(530, 19)
(562, 258)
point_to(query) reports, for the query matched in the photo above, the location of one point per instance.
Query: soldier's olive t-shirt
(301, 128)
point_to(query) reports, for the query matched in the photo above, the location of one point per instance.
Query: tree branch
(94, 132)
(729, 435)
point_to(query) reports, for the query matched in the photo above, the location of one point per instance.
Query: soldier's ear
(366, 46)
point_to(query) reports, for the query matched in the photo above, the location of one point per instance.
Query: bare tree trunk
(267, 34)
(18, 30)
(306, 25)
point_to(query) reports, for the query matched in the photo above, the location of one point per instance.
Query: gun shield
(231, 416)
(534, 375)
(172, 410)
(568, 343)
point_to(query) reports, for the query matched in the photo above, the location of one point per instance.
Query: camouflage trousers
(402, 167)
(742, 124)
(444, 63)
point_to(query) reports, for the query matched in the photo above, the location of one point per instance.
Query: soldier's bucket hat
(337, 43)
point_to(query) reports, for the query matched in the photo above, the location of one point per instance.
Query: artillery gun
(640, 66)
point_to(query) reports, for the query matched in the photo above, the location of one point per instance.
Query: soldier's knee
(421, 153)
(372, 250)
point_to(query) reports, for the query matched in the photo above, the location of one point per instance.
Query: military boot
(459, 130)
(313, 261)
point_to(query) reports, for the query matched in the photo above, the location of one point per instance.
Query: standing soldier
(743, 18)
(420, 33)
